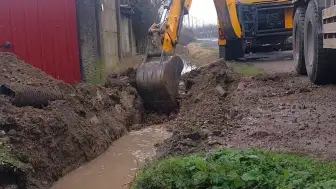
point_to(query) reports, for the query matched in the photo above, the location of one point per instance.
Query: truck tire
(298, 41)
(318, 67)
(234, 49)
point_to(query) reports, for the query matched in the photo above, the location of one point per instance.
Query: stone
(221, 90)
(11, 132)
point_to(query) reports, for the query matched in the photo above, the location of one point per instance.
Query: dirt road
(270, 62)
(274, 62)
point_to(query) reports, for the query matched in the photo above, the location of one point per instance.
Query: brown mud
(55, 139)
(282, 112)
(116, 167)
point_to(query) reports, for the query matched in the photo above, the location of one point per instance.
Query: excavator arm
(172, 26)
(158, 76)
(171, 22)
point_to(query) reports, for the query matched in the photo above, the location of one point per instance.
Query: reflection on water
(187, 66)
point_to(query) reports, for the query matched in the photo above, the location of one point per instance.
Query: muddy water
(118, 165)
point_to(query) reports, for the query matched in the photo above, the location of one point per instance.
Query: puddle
(116, 168)
(187, 66)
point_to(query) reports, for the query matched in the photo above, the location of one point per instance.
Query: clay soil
(281, 112)
(42, 144)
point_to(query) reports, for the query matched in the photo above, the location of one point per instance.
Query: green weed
(6, 157)
(238, 169)
(96, 75)
(245, 69)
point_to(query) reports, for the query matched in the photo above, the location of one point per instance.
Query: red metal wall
(43, 33)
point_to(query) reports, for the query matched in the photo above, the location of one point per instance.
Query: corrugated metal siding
(43, 33)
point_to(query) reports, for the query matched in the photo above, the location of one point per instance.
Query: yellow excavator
(243, 25)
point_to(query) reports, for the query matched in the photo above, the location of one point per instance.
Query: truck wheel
(318, 67)
(298, 38)
(234, 49)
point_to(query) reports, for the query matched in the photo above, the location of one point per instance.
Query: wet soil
(61, 135)
(275, 111)
(202, 109)
(218, 108)
(278, 110)
(272, 63)
(285, 112)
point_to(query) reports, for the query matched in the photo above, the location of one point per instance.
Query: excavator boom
(241, 23)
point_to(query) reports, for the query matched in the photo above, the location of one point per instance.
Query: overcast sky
(204, 10)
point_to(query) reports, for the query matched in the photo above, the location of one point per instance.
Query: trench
(117, 167)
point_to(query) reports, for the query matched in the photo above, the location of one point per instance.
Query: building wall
(88, 40)
(125, 36)
(44, 34)
(72, 40)
(108, 34)
(98, 31)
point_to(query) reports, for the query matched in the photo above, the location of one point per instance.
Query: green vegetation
(230, 168)
(96, 74)
(7, 158)
(245, 69)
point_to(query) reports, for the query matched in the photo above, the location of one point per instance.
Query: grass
(238, 169)
(245, 69)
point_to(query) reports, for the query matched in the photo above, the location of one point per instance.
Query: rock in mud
(11, 132)
(220, 90)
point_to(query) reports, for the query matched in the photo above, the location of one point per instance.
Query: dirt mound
(282, 112)
(47, 142)
(203, 112)
(16, 73)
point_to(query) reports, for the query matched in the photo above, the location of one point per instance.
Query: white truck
(314, 39)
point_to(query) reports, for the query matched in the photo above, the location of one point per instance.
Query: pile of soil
(56, 138)
(204, 113)
(282, 112)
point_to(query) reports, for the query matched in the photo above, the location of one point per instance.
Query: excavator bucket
(157, 82)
